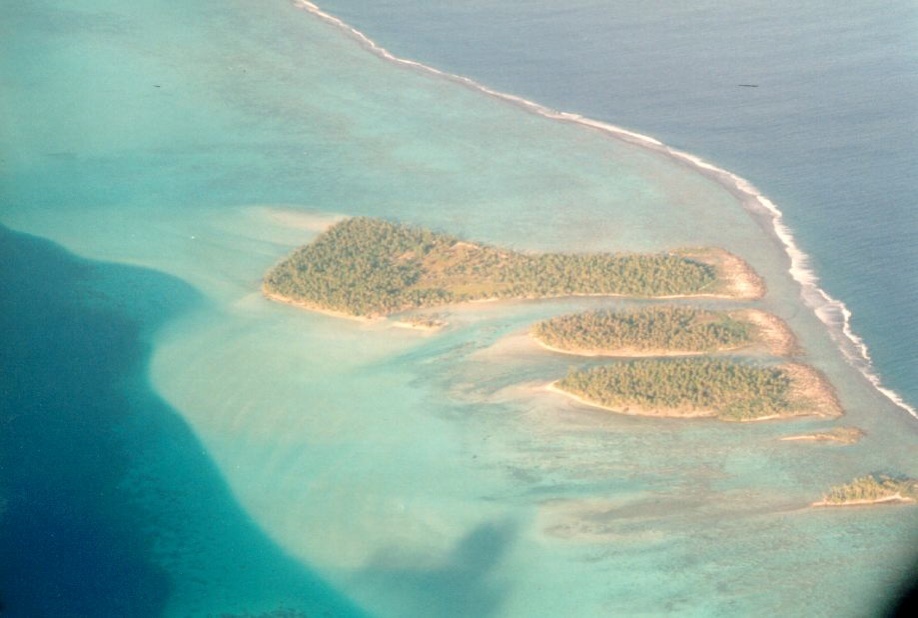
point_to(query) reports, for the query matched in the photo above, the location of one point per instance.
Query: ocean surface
(829, 132)
(172, 444)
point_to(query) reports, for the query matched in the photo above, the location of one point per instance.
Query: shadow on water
(108, 503)
(465, 585)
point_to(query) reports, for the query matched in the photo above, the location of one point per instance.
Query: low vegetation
(840, 435)
(726, 389)
(430, 321)
(371, 267)
(674, 330)
(872, 489)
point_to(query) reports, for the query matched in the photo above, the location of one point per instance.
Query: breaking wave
(831, 311)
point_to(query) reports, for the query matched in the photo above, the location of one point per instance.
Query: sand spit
(838, 435)
(811, 391)
(737, 278)
(294, 218)
(771, 331)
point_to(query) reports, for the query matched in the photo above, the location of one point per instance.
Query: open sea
(172, 444)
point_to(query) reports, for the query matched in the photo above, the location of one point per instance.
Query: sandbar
(736, 275)
(839, 435)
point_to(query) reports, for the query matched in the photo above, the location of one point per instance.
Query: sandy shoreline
(742, 282)
(772, 331)
(739, 278)
(617, 353)
(839, 435)
(278, 298)
(811, 390)
(404, 324)
(773, 334)
(427, 328)
(827, 308)
(811, 393)
(896, 498)
(631, 410)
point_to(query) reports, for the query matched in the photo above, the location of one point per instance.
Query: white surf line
(830, 311)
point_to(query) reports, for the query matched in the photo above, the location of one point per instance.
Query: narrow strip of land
(840, 435)
(371, 268)
(872, 489)
(691, 388)
(664, 331)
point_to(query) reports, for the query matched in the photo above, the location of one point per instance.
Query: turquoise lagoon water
(828, 134)
(243, 457)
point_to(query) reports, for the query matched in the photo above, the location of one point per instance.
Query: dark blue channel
(106, 496)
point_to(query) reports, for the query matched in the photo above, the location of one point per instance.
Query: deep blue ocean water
(107, 498)
(173, 445)
(830, 134)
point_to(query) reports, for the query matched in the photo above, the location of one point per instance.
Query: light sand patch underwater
(390, 461)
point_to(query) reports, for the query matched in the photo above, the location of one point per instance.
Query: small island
(363, 267)
(872, 489)
(838, 435)
(425, 322)
(692, 388)
(663, 331)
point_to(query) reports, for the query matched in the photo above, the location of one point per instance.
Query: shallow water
(419, 474)
(828, 133)
(110, 505)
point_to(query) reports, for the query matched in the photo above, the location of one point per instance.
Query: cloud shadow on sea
(465, 584)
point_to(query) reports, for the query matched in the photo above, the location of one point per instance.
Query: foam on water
(831, 311)
(423, 475)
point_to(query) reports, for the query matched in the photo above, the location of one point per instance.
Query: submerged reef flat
(872, 489)
(688, 388)
(663, 331)
(363, 267)
(838, 435)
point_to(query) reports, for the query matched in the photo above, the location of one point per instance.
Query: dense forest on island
(666, 329)
(729, 390)
(371, 267)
